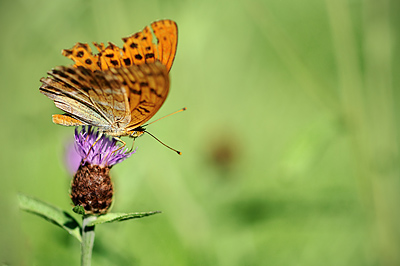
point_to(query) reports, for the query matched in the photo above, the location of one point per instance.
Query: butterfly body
(116, 130)
(117, 90)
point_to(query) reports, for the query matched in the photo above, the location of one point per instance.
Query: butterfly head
(137, 132)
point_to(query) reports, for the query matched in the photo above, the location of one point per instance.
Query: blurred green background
(290, 141)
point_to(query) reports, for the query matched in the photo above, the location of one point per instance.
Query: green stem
(87, 240)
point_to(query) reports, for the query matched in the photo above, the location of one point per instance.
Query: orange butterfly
(116, 90)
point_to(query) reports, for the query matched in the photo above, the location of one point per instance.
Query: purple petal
(104, 152)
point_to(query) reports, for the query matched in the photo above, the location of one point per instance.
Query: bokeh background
(290, 141)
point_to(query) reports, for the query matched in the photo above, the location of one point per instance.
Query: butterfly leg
(123, 144)
(94, 143)
(133, 143)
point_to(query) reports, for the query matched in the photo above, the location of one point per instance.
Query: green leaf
(119, 217)
(50, 213)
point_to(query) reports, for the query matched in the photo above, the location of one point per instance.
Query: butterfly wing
(147, 86)
(166, 32)
(134, 94)
(114, 100)
(140, 48)
(137, 49)
(92, 98)
(68, 87)
(82, 56)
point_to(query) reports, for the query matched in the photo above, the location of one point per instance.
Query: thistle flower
(92, 187)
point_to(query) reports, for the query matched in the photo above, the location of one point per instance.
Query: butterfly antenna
(183, 109)
(178, 152)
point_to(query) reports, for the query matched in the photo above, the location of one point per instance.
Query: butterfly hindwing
(166, 32)
(82, 56)
(153, 83)
(138, 49)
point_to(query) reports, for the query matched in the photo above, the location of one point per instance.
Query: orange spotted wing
(138, 49)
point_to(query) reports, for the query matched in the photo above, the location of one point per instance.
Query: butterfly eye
(136, 134)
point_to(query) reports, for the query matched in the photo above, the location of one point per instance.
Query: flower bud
(92, 188)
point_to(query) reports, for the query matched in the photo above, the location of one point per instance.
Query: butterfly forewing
(109, 96)
(70, 95)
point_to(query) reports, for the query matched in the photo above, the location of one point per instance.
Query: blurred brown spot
(224, 152)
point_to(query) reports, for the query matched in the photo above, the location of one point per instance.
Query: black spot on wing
(75, 82)
(71, 71)
(127, 61)
(154, 91)
(59, 73)
(137, 92)
(85, 89)
(150, 55)
(143, 109)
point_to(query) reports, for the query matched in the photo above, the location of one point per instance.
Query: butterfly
(117, 90)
